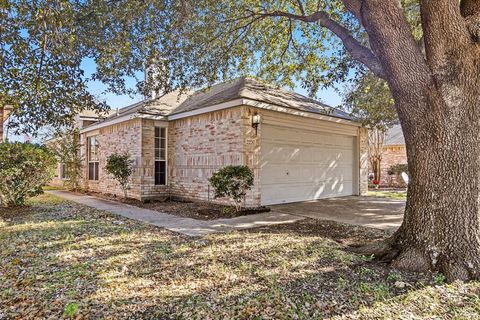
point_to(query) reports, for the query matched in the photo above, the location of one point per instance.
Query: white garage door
(301, 165)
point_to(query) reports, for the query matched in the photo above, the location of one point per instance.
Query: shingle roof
(161, 106)
(394, 136)
(249, 88)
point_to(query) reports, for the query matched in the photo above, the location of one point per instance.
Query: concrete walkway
(187, 226)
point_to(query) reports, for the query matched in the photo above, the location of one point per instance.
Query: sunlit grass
(60, 255)
(397, 195)
(47, 188)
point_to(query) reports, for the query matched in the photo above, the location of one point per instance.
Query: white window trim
(90, 161)
(166, 156)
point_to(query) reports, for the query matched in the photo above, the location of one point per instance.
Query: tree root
(385, 250)
(409, 258)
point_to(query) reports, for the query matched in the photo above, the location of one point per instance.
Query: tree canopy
(369, 101)
(43, 44)
(428, 51)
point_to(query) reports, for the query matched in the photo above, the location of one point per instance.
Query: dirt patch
(200, 210)
(342, 233)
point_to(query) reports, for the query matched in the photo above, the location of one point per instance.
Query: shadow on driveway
(381, 213)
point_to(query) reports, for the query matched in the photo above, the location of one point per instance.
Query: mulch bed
(200, 210)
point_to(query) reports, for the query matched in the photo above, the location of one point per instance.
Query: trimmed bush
(232, 182)
(121, 167)
(24, 169)
(398, 169)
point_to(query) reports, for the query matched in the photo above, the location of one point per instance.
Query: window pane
(93, 148)
(160, 173)
(91, 171)
(163, 133)
(162, 143)
(162, 154)
(157, 143)
(96, 171)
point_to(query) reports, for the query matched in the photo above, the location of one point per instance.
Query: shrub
(121, 167)
(24, 169)
(232, 182)
(398, 168)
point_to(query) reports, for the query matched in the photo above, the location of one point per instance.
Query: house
(299, 149)
(4, 113)
(394, 152)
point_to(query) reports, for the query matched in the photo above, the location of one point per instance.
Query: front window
(160, 156)
(93, 158)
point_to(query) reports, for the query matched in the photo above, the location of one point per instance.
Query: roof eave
(262, 105)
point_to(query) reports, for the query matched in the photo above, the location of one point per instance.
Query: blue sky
(329, 96)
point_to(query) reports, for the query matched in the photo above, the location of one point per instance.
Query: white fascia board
(262, 105)
(267, 106)
(216, 107)
(107, 122)
(120, 119)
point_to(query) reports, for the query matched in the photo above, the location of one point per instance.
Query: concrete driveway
(381, 213)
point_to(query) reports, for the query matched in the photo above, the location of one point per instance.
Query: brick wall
(392, 155)
(197, 146)
(117, 138)
(363, 160)
(202, 144)
(148, 188)
(57, 180)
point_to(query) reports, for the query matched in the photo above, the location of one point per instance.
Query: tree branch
(355, 8)
(444, 27)
(356, 50)
(300, 5)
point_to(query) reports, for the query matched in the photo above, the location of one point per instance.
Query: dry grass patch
(59, 259)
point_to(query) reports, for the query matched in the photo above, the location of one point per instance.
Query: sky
(329, 96)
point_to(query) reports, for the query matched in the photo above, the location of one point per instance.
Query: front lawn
(391, 194)
(59, 259)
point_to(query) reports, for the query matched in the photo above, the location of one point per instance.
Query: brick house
(394, 152)
(299, 149)
(4, 112)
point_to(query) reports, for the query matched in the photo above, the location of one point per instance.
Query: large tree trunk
(437, 97)
(441, 228)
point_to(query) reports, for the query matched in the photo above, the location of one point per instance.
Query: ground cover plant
(60, 259)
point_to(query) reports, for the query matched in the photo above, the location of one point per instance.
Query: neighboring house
(4, 112)
(299, 149)
(394, 152)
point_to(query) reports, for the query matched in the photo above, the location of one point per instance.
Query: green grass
(63, 260)
(46, 188)
(397, 195)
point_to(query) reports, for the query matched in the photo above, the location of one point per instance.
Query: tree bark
(438, 102)
(437, 97)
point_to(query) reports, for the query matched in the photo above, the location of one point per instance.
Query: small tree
(67, 149)
(121, 167)
(24, 169)
(369, 101)
(232, 182)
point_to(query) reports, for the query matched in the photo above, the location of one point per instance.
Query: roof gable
(394, 136)
(249, 88)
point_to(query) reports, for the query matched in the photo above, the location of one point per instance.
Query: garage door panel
(321, 156)
(300, 165)
(279, 173)
(307, 192)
